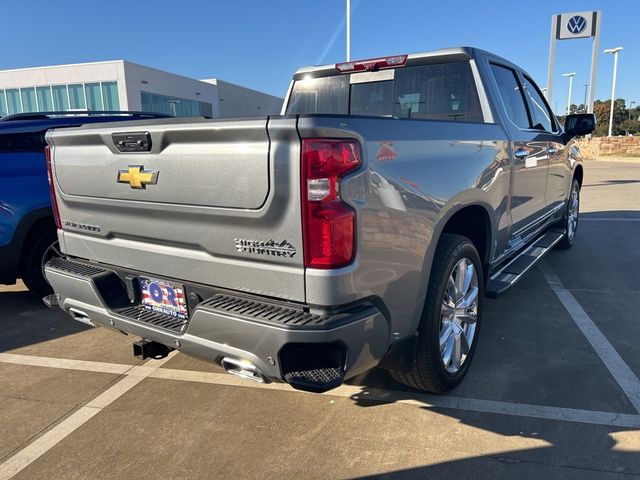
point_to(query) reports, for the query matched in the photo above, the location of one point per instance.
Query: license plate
(163, 297)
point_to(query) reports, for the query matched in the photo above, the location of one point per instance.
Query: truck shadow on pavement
(573, 453)
(559, 449)
(25, 320)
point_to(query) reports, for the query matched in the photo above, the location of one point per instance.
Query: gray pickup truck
(363, 226)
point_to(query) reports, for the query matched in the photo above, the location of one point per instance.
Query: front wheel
(450, 323)
(570, 219)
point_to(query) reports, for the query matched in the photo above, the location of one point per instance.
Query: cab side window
(512, 95)
(542, 116)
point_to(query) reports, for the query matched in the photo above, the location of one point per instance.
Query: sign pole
(552, 57)
(594, 61)
(568, 26)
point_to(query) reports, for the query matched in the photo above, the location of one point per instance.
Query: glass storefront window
(180, 107)
(110, 95)
(47, 98)
(60, 98)
(206, 109)
(145, 100)
(45, 102)
(94, 96)
(29, 99)
(76, 97)
(3, 104)
(13, 101)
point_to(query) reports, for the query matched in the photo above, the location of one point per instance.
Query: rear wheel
(570, 219)
(40, 248)
(450, 322)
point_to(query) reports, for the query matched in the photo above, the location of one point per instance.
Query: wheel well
(578, 175)
(38, 228)
(473, 222)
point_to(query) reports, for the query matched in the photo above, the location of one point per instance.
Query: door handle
(552, 150)
(521, 154)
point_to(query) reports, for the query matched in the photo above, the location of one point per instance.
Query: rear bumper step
(280, 340)
(318, 380)
(505, 278)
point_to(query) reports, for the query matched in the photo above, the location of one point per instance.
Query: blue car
(27, 228)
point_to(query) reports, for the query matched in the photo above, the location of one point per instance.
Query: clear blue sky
(260, 43)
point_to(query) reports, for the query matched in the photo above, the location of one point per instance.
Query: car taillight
(328, 223)
(52, 191)
(372, 64)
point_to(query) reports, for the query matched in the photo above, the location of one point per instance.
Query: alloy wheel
(572, 217)
(459, 315)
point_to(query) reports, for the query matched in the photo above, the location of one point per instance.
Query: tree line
(626, 121)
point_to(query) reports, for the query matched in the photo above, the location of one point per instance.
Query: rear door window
(511, 94)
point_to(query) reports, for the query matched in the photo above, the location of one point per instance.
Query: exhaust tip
(81, 316)
(242, 369)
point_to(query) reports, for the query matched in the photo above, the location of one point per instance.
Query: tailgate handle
(132, 142)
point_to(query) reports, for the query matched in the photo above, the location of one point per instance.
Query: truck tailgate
(202, 204)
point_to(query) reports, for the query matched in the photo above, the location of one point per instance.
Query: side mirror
(579, 124)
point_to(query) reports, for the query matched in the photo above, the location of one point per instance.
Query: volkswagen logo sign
(577, 24)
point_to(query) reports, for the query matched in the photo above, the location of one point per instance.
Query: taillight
(52, 191)
(328, 223)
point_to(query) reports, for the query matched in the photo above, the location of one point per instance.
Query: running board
(505, 278)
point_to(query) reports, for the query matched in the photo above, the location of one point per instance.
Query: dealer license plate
(163, 297)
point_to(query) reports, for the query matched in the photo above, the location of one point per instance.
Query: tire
(430, 371)
(570, 219)
(39, 248)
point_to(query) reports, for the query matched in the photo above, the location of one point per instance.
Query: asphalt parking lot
(553, 391)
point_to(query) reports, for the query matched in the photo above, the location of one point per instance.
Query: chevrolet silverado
(362, 226)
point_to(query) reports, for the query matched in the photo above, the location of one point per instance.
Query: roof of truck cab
(462, 53)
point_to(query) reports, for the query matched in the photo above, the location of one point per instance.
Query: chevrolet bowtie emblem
(137, 177)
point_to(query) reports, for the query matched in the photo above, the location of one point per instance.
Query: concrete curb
(613, 159)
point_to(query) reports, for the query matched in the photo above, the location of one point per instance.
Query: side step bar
(505, 278)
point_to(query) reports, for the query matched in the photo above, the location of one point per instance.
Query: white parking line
(354, 392)
(67, 364)
(625, 377)
(51, 438)
(605, 219)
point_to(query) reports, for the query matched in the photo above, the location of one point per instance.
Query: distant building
(122, 85)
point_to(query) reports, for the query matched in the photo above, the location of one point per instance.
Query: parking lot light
(613, 51)
(570, 76)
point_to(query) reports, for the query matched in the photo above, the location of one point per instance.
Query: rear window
(320, 95)
(443, 91)
(22, 142)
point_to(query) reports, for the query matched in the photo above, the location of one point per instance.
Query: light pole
(631, 104)
(570, 75)
(348, 30)
(586, 86)
(614, 51)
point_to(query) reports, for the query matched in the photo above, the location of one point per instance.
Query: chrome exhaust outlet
(242, 369)
(81, 316)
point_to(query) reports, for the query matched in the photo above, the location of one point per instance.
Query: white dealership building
(123, 85)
